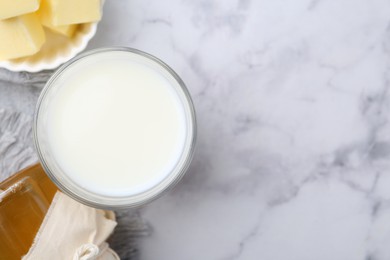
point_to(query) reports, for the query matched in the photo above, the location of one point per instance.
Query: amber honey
(24, 200)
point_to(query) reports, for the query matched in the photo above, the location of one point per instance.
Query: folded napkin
(72, 230)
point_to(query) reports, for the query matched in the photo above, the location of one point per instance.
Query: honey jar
(24, 200)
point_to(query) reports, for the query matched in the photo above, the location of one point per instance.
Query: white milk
(116, 126)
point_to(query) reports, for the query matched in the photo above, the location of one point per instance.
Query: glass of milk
(115, 128)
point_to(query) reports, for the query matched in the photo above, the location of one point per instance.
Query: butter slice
(65, 12)
(12, 8)
(20, 36)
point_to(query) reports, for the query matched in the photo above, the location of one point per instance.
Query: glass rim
(134, 200)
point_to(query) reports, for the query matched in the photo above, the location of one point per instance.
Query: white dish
(56, 51)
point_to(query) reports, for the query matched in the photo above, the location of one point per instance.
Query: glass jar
(70, 187)
(24, 200)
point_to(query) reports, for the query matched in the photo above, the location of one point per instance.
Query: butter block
(65, 12)
(20, 36)
(67, 30)
(12, 8)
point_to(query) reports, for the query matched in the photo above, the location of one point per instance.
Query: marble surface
(293, 104)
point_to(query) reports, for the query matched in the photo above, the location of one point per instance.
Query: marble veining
(293, 105)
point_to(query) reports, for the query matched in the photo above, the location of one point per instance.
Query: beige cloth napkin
(73, 231)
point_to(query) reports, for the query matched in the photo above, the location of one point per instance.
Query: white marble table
(293, 103)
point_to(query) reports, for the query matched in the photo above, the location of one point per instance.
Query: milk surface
(116, 125)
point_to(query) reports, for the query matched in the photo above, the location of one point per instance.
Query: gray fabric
(25, 78)
(16, 152)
